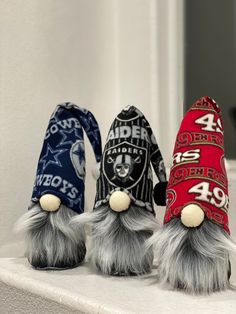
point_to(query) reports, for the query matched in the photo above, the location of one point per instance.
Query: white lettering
(56, 181)
(188, 156)
(73, 193)
(217, 197)
(64, 124)
(144, 134)
(48, 179)
(202, 189)
(126, 131)
(136, 131)
(54, 129)
(39, 179)
(66, 186)
(210, 125)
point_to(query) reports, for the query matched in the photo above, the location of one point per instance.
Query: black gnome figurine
(123, 216)
(58, 193)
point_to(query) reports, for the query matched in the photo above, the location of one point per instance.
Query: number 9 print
(210, 125)
(217, 197)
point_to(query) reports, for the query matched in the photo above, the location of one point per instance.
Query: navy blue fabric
(61, 166)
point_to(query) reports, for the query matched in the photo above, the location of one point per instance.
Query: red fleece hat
(198, 174)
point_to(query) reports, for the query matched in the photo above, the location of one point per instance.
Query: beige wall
(100, 54)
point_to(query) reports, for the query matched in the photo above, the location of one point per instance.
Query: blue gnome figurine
(58, 193)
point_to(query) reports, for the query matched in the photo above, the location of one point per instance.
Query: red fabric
(198, 173)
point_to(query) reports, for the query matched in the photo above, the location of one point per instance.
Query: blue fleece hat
(61, 165)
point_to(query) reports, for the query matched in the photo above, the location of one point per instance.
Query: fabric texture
(130, 150)
(198, 174)
(61, 165)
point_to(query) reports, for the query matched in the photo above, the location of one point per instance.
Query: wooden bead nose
(119, 201)
(50, 202)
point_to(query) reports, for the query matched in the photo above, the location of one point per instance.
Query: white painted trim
(167, 79)
(175, 68)
(159, 65)
(116, 25)
(231, 168)
(155, 78)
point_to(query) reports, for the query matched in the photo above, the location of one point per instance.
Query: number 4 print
(217, 197)
(210, 125)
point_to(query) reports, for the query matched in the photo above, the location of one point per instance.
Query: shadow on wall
(210, 59)
(232, 113)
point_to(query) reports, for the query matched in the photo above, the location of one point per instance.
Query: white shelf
(82, 290)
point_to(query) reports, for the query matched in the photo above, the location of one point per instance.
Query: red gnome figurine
(194, 244)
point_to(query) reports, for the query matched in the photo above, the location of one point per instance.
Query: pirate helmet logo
(124, 164)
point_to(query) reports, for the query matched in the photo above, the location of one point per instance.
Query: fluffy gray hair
(193, 259)
(118, 240)
(52, 243)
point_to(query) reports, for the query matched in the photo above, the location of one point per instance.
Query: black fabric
(126, 163)
(159, 193)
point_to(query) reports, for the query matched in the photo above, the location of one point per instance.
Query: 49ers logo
(170, 197)
(189, 156)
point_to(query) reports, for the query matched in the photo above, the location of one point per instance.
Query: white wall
(100, 54)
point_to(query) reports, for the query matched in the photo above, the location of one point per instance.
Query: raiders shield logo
(124, 164)
(78, 159)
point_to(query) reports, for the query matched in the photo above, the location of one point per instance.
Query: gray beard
(52, 243)
(193, 259)
(118, 240)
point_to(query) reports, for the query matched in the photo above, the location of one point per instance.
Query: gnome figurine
(123, 217)
(58, 193)
(193, 246)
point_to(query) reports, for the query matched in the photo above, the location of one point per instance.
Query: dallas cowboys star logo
(77, 202)
(79, 152)
(67, 135)
(89, 121)
(78, 159)
(96, 135)
(52, 157)
(91, 128)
